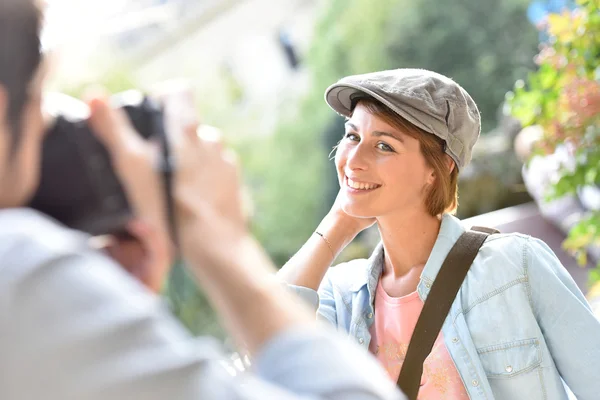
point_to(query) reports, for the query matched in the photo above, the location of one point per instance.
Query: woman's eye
(352, 136)
(384, 147)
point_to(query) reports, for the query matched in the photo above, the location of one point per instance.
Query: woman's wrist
(337, 232)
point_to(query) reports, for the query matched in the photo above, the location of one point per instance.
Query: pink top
(395, 320)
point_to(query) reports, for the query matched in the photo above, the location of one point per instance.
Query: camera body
(78, 186)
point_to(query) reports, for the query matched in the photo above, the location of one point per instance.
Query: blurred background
(260, 68)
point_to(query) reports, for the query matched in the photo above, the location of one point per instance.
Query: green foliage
(484, 45)
(586, 171)
(585, 233)
(563, 97)
(189, 304)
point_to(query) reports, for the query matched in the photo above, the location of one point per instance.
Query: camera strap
(167, 168)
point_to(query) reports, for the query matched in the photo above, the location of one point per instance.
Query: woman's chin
(357, 212)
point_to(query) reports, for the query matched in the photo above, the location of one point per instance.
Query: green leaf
(594, 276)
(581, 257)
(591, 176)
(526, 106)
(547, 76)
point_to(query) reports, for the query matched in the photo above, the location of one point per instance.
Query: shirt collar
(371, 273)
(450, 230)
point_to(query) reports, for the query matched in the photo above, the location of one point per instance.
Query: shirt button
(370, 315)
(455, 340)
(475, 382)
(361, 340)
(428, 285)
(509, 368)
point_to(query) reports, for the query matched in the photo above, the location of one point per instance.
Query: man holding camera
(73, 322)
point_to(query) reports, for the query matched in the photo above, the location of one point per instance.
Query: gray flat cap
(431, 101)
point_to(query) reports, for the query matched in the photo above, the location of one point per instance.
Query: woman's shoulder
(514, 250)
(504, 241)
(509, 242)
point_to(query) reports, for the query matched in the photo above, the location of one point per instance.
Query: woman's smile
(359, 187)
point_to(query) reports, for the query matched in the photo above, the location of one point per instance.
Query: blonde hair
(443, 195)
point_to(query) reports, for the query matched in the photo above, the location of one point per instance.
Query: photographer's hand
(232, 269)
(149, 255)
(141, 253)
(235, 273)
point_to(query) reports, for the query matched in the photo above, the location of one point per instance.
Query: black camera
(78, 186)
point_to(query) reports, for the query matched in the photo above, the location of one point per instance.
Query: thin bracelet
(326, 241)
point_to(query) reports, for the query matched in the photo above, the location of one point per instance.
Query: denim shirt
(518, 327)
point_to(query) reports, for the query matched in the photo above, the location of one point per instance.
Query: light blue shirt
(518, 325)
(75, 326)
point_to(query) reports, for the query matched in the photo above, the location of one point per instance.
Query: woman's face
(380, 169)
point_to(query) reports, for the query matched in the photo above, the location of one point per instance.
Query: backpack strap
(484, 229)
(437, 305)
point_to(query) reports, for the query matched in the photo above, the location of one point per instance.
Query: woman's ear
(431, 177)
(450, 163)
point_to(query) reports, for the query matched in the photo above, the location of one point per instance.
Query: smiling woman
(519, 325)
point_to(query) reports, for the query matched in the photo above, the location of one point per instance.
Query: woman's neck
(408, 240)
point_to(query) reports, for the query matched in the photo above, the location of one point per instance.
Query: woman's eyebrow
(393, 136)
(377, 133)
(351, 125)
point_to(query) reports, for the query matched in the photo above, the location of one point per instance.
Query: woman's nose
(358, 158)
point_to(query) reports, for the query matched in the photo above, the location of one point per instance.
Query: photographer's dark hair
(20, 55)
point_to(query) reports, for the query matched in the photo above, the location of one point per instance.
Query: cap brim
(339, 98)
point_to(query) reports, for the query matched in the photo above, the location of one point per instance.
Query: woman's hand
(356, 223)
(310, 264)
(340, 228)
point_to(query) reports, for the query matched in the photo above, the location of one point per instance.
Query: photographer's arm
(75, 326)
(214, 238)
